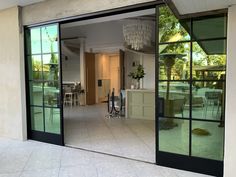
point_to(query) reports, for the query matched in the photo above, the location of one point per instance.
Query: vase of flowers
(137, 74)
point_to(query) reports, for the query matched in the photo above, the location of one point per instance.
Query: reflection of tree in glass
(201, 59)
(170, 28)
(170, 31)
(53, 65)
(37, 68)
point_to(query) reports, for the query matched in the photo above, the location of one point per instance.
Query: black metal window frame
(35, 134)
(199, 164)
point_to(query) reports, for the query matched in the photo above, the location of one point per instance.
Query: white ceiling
(193, 6)
(110, 18)
(4, 4)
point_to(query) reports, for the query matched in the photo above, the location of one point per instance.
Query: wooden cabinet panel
(140, 104)
(90, 78)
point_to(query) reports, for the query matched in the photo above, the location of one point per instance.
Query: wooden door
(122, 70)
(90, 78)
(115, 74)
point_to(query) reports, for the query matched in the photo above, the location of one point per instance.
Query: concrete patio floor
(36, 159)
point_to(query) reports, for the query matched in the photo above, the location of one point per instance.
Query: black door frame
(38, 135)
(194, 164)
(186, 162)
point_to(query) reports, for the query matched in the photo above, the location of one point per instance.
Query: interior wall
(56, 9)
(71, 66)
(99, 37)
(132, 59)
(12, 90)
(148, 61)
(230, 118)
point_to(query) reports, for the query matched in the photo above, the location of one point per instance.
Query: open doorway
(100, 58)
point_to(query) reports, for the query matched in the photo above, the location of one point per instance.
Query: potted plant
(137, 74)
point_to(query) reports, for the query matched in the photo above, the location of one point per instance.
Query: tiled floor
(35, 159)
(86, 127)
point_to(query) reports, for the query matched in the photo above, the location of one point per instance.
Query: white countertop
(140, 90)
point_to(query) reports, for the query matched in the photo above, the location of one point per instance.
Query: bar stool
(68, 99)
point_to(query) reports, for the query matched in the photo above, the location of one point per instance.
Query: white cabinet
(140, 104)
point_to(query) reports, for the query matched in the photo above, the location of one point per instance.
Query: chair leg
(51, 115)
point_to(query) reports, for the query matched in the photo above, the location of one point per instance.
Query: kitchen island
(140, 104)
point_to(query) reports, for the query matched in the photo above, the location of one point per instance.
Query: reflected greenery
(176, 58)
(202, 89)
(170, 30)
(208, 66)
(43, 65)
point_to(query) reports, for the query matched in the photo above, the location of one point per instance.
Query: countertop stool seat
(68, 99)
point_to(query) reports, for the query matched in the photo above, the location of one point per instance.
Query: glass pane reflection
(50, 67)
(50, 39)
(174, 61)
(52, 120)
(51, 94)
(35, 34)
(209, 60)
(175, 95)
(207, 140)
(208, 100)
(37, 116)
(170, 28)
(35, 67)
(174, 139)
(36, 93)
(210, 28)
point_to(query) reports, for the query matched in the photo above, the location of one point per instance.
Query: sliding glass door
(191, 81)
(44, 84)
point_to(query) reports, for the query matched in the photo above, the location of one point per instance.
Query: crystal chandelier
(137, 34)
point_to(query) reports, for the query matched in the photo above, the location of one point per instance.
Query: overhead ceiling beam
(175, 11)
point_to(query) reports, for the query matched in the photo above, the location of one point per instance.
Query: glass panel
(35, 67)
(207, 140)
(36, 93)
(52, 120)
(208, 100)
(174, 61)
(174, 139)
(170, 29)
(50, 67)
(50, 39)
(209, 60)
(35, 42)
(209, 28)
(51, 94)
(44, 78)
(37, 122)
(175, 95)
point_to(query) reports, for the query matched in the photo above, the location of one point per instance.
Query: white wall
(12, 94)
(130, 58)
(56, 9)
(230, 113)
(71, 66)
(148, 62)
(100, 37)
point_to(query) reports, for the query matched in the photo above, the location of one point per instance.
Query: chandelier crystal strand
(137, 34)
